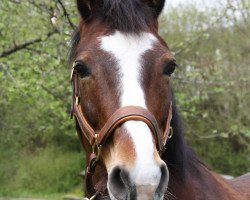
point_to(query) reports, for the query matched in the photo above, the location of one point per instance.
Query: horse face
(118, 69)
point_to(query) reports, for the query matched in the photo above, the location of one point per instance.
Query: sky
(201, 4)
(204, 5)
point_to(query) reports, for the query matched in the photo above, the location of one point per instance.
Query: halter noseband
(98, 138)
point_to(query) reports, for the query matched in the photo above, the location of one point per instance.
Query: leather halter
(98, 138)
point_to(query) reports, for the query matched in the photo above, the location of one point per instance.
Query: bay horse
(126, 115)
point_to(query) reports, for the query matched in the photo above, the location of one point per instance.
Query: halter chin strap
(98, 138)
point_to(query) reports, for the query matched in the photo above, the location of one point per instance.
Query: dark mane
(178, 155)
(130, 16)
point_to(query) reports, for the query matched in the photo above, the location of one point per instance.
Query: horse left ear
(156, 5)
(84, 8)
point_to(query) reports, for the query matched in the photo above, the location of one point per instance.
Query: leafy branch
(66, 14)
(26, 44)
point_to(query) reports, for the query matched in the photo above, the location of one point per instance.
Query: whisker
(169, 196)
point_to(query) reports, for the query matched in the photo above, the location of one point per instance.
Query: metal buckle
(170, 135)
(96, 148)
(72, 71)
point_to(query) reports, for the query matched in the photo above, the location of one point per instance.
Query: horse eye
(169, 68)
(82, 69)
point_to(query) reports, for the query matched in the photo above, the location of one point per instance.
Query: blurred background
(40, 155)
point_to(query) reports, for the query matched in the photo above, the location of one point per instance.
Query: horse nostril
(163, 184)
(119, 183)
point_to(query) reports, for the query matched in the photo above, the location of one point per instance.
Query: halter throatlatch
(98, 138)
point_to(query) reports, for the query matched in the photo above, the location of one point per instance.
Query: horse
(125, 112)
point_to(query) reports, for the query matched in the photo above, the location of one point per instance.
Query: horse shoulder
(241, 184)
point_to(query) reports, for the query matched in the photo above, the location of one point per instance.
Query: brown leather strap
(119, 117)
(101, 186)
(87, 130)
(122, 115)
(76, 110)
(129, 113)
(89, 173)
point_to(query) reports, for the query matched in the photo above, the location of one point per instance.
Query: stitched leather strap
(125, 114)
(86, 129)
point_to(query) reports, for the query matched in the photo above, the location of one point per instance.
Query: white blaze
(128, 50)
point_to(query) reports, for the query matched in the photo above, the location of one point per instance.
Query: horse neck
(189, 177)
(200, 183)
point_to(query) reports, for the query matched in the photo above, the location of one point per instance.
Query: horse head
(122, 98)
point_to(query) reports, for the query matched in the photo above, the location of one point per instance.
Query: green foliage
(50, 170)
(35, 100)
(39, 150)
(212, 83)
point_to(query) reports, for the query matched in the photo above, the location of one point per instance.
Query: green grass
(77, 191)
(48, 173)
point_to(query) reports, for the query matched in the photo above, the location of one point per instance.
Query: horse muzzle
(122, 185)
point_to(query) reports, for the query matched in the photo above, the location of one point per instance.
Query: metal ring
(170, 135)
(77, 100)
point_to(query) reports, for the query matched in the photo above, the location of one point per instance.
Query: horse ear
(84, 8)
(156, 5)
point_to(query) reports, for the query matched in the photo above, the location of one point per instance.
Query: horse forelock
(131, 16)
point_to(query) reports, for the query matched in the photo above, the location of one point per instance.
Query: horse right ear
(84, 8)
(156, 5)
